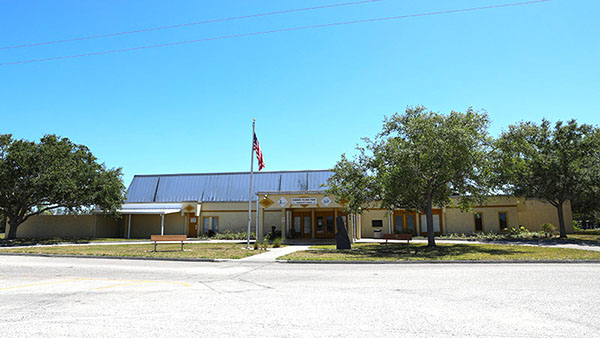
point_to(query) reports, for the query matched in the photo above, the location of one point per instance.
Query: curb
(591, 261)
(173, 259)
(224, 260)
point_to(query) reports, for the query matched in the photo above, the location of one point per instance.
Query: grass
(191, 250)
(420, 252)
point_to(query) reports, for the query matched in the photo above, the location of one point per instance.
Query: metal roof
(221, 187)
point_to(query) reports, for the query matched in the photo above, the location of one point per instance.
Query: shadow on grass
(440, 251)
(44, 241)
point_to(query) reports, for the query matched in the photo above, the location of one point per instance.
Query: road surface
(78, 297)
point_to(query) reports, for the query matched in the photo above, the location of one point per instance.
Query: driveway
(69, 297)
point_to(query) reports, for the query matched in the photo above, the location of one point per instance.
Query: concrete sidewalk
(274, 253)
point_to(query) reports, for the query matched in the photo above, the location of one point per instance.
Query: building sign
(304, 201)
(326, 201)
(282, 202)
(266, 202)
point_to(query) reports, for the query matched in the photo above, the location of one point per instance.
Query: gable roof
(222, 187)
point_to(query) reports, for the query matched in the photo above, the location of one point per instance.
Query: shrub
(229, 235)
(256, 245)
(548, 228)
(273, 234)
(277, 242)
(265, 245)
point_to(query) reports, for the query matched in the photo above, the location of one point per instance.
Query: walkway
(274, 253)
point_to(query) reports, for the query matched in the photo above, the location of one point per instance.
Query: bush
(265, 245)
(549, 229)
(228, 235)
(277, 243)
(273, 234)
(256, 245)
(576, 225)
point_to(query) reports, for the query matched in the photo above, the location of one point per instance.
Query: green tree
(54, 173)
(418, 161)
(554, 164)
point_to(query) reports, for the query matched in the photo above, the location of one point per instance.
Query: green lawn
(191, 250)
(420, 252)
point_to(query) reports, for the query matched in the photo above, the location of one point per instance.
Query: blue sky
(314, 93)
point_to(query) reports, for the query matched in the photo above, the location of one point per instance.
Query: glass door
(301, 225)
(325, 224)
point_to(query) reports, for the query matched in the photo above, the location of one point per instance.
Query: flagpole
(250, 194)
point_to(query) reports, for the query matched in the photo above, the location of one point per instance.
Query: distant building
(293, 202)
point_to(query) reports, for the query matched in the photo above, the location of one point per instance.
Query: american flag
(259, 155)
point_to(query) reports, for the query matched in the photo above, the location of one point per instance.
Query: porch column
(283, 224)
(162, 224)
(257, 224)
(313, 226)
(350, 226)
(335, 214)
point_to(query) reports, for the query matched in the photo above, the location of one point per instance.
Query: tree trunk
(561, 220)
(12, 229)
(429, 216)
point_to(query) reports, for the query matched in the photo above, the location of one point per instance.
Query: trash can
(377, 234)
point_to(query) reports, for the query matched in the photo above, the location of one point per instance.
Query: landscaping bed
(191, 250)
(443, 252)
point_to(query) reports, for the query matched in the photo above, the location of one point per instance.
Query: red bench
(400, 237)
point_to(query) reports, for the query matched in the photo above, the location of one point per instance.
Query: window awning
(148, 211)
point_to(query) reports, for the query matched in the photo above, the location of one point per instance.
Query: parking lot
(77, 297)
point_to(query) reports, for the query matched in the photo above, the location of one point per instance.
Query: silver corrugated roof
(221, 187)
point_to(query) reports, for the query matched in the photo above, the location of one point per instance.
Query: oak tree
(53, 173)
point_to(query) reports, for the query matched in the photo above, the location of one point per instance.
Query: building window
(503, 219)
(410, 222)
(377, 223)
(478, 221)
(210, 224)
(399, 223)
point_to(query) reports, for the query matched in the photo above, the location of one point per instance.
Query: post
(129, 227)
(250, 193)
(162, 224)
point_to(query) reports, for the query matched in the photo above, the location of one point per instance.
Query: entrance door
(192, 225)
(325, 224)
(301, 224)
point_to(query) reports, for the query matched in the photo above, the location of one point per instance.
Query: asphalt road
(71, 297)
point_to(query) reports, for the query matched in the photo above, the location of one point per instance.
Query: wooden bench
(401, 237)
(168, 238)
